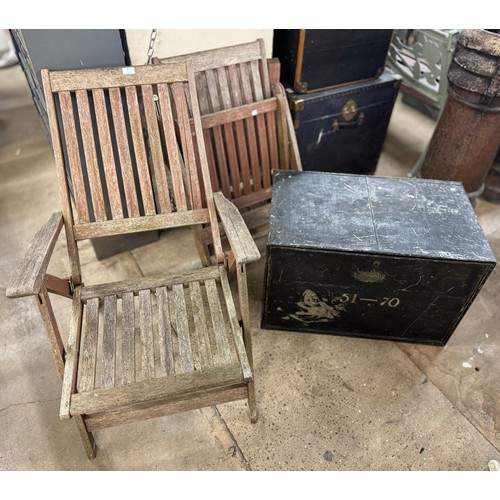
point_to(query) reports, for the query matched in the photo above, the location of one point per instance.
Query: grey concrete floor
(326, 403)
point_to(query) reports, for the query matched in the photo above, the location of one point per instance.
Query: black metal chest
(378, 257)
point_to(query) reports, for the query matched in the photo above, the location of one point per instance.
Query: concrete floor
(326, 402)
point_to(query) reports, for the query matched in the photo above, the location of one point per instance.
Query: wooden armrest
(30, 274)
(242, 244)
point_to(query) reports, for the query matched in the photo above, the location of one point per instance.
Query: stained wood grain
(122, 143)
(29, 276)
(70, 80)
(165, 332)
(89, 149)
(242, 244)
(108, 155)
(109, 342)
(146, 336)
(182, 328)
(72, 354)
(180, 386)
(128, 338)
(88, 354)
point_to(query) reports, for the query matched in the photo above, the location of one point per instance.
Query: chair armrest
(30, 274)
(242, 244)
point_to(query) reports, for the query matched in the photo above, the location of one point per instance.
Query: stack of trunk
(341, 95)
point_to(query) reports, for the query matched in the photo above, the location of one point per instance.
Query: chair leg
(252, 402)
(87, 437)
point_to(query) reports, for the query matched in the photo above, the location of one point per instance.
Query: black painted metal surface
(388, 258)
(343, 130)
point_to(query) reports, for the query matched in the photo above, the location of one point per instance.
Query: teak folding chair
(144, 347)
(246, 123)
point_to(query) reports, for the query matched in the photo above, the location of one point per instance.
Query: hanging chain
(152, 42)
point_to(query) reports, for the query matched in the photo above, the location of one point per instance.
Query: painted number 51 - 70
(354, 298)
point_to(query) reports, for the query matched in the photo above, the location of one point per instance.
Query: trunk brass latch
(349, 110)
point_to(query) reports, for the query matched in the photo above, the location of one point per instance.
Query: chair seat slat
(87, 365)
(182, 328)
(128, 338)
(218, 322)
(200, 325)
(146, 336)
(109, 342)
(165, 332)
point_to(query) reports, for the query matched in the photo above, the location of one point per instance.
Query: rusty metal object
(467, 136)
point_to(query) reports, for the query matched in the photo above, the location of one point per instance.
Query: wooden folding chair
(246, 123)
(145, 347)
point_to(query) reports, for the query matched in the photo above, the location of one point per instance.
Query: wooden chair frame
(247, 125)
(147, 347)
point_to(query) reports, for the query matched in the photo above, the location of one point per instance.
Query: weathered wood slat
(29, 276)
(180, 386)
(240, 130)
(75, 165)
(235, 54)
(52, 329)
(182, 329)
(156, 149)
(88, 352)
(174, 159)
(221, 159)
(253, 198)
(140, 224)
(242, 244)
(89, 149)
(235, 326)
(72, 353)
(201, 85)
(241, 112)
(165, 332)
(200, 326)
(109, 342)
(232, 157)
(141, 158)
(116, 77)
(148, 282)
(264, 145)
(146, 336)
(214, 178)
(284, 144)
(122, 142)
(167, 406)
(248, 98)
(218, 322)
(128, 338)
(187, 145)
(107, 153)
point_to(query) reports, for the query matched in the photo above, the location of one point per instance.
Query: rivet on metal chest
(378, 257)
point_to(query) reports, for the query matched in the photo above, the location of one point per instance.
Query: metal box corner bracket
(376, 257)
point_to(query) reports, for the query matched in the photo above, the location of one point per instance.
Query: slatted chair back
(124, 151)
(246, 120)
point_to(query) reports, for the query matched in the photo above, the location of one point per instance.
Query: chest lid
(388, 215)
